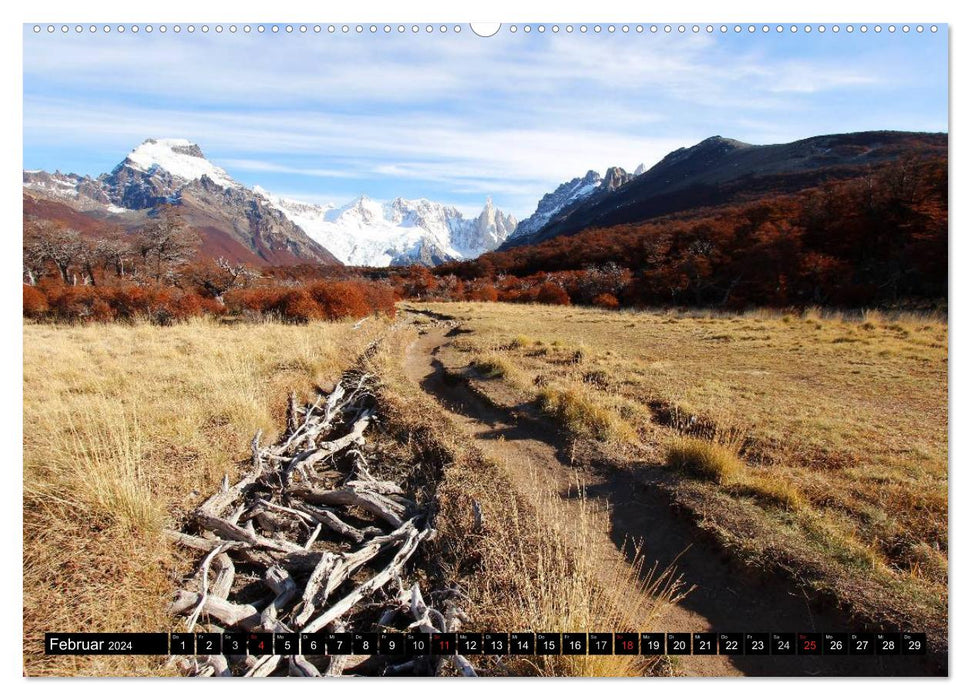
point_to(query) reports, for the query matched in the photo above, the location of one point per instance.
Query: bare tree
(217, 277)
(114, 253)
(47, 243)
(165, 246)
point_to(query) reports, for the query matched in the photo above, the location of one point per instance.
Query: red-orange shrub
(331, 299)
(340, 299)
(381, 298)
(550, 293)
(297, 306)
(35, 302)
(258, 300)
(606, 301)
(486, 292)
(187, 305)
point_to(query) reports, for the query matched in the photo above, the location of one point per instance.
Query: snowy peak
(180, 158)
(494, 226)
(366, 232)
(159, 170)
(568, 195)
(360, 212)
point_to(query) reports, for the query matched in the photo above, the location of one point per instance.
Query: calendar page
(394, 349)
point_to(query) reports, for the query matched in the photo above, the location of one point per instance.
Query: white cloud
(263, 166)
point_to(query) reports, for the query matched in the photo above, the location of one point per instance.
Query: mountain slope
(567, 197)
(720, 170)
(232, 221)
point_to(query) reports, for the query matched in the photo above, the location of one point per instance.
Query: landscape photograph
(536, 350)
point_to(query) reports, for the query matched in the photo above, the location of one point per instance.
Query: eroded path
(723, 599)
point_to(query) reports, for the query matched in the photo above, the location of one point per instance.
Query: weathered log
(320, 574)
(333, 570)
(265, 665)
(330, 520)
(374, 503)
(463, 666)
(426, 619)
(330, 410)
(336, 666)
(429, 620)
(295, 562)
(226, 522)
(304, 517)
(387, 617)
(308, 458)
(237, 514)
(192, 541)
(313, 536)
(385, 488)
(299, 666)
(279, 581)
(271, 522)
(394, 567)
(337, 662)
(230, 614)
(205, 581)
(219, 665)
(225, 574)
(229, 531)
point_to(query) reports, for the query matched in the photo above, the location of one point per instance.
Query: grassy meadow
(126, 427)
(813, 442)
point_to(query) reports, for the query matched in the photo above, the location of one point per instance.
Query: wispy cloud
(261, 166)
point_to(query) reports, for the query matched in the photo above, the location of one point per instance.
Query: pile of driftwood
(310, 541)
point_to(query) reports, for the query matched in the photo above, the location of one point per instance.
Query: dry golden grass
(718, 460)
(706, 459)
(583, 415)
(491, 365)
(555, 577)
(839, 421)
(125, 427)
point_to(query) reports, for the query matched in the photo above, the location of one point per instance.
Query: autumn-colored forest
(876, 239)
(873, 240)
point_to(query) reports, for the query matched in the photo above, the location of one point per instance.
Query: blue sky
(455, 117)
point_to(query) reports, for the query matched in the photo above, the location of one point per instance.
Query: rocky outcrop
(567, 197)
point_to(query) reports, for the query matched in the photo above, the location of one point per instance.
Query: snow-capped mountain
(400, 232)
(157, 170)
(232, 220)
(180, 158)
(569, 195)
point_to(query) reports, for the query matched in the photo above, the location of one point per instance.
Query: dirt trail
(723, 599)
